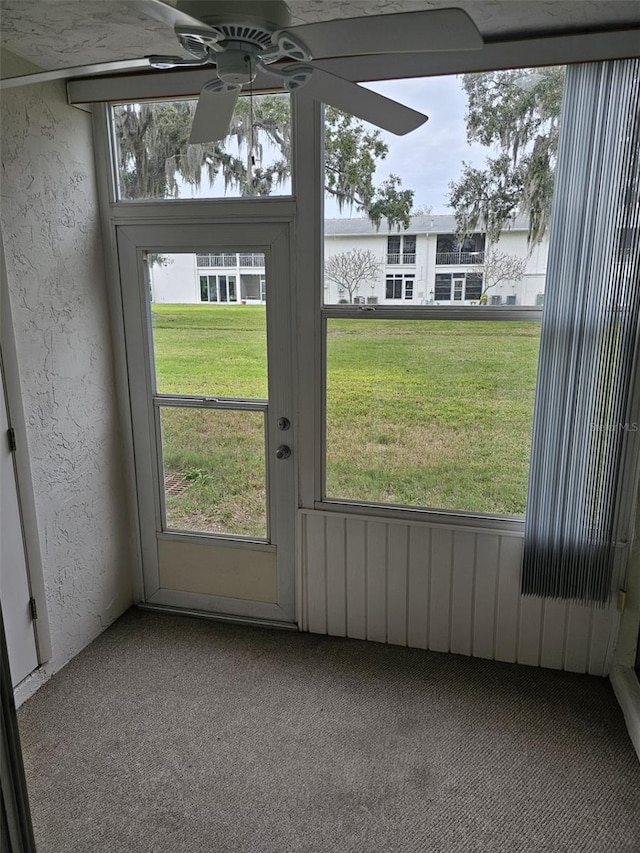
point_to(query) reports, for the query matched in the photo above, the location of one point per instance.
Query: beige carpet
(173, 734)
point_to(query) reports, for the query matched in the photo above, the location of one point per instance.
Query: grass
(420, 413)
(431, 413)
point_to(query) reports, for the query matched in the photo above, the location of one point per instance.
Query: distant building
(426, 264)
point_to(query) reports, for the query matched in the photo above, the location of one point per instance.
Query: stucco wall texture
(55, 270)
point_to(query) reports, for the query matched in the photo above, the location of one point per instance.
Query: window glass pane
(204, 348)
(465, 192)
(214, 471)
(244, 164)
(430, 413)
(473, 287)
(443, 287)
(409, 246)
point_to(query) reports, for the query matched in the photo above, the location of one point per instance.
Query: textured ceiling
(64, 33)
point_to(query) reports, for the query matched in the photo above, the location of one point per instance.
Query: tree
(153, 148)
(422, 210)
(153, 153)
(516, 112)
(350, 269)
(499, 267)
(156, 260)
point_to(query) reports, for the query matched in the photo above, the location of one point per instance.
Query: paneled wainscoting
(444, 588)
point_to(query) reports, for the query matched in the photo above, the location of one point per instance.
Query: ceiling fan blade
(404, 32)
(214, 112)
(75, 71)
(361, 102)
(168, 14)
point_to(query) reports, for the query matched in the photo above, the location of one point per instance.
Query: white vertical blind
(589, 344)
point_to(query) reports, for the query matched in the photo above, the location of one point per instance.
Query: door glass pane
(214, 471)
(214, 348)
(431, 413)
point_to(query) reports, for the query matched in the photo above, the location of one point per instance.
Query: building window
(443, 287)
(401, 249)
(458, 287)
(450, 249)
(399, 287)
(473, 287)
(218, 288)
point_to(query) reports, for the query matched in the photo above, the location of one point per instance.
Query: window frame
(307, 183)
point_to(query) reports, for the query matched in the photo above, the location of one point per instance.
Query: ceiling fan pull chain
(253, 159)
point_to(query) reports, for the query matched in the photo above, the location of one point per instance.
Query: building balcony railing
(408, 258)
(457, 258)
(251, 259)
(243, 259)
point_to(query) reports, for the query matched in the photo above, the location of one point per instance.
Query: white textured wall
(51, 235)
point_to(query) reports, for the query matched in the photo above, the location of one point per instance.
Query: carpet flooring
(171, 734)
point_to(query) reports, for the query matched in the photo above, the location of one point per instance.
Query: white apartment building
(424, 264)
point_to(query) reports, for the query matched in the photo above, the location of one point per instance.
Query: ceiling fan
(238, 38)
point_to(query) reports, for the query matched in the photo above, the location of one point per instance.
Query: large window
(430, 373)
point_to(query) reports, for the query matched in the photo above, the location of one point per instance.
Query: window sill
(446, 518)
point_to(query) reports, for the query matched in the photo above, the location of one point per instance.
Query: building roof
(430, 224)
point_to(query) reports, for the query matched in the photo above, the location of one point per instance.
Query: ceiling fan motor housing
(236, 66)
(253, 20)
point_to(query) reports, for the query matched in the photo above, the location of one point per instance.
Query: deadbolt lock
(284, 423)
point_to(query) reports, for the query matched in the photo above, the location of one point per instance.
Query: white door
(210, 379)
(15, 593)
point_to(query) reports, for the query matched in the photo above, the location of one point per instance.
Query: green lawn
(421, 413)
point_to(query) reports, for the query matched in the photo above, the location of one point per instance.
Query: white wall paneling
(445, 588)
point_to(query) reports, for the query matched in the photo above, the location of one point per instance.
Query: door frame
(22, 467)
(172, 234)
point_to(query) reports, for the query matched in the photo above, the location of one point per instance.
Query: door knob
(283, 452)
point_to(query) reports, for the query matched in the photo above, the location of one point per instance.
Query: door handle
(283, 452)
